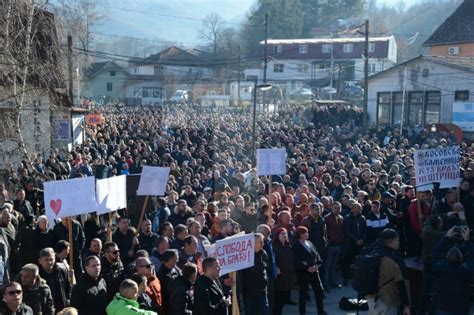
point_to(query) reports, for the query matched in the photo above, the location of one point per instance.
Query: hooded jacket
(123, 306)
(39, 298)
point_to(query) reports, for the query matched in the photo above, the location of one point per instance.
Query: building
(298, 63)
(455, 36)
(432, 85)
(105, 82)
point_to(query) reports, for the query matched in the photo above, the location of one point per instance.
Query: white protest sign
(271, 162)
(69, 197)
(234, 253)
(153, 181)
(111, 194)
(437, 166)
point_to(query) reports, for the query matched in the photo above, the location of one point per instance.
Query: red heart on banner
(56, 205)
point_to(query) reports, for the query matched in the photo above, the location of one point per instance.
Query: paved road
(331, 303)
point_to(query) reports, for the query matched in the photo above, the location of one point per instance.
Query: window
(383, 108)
(277, 49)
(278, 67)
(415, 108)
(461, 96)
(425, 72)
(371, 47)
(112, 73)
(109, 86)
(397, 99)
(433, 105)
(347, 48)
(302, 68)
(372, 67)
(326, 48)
(303, 49)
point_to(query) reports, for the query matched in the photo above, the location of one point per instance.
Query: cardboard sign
(69, 197)
(271, 162)
(437, 166)
(234, 253)
(111, 194)
(95, 119)
(153, 181)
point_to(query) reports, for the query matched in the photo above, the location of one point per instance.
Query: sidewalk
(331, 303)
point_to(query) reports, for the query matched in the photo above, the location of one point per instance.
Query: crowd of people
(345, 190)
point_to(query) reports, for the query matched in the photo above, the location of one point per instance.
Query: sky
(163, 19)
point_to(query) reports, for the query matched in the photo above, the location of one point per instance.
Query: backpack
(366, 272)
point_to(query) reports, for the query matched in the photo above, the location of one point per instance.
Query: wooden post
(71, 243)
(235, 301)
(145, 203)
(110, 227)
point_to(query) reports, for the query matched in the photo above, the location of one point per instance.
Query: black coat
(43, 239)
(181, 297)
(355, 228)
(256, 278)
(208, 297)
(89, 296)
(286, 280)
(147, 242)
(304, 258)
(24, 310)
(113, 275)
(39, 298)
(452, 283)
(165, 275)
(58, 282)
(125, 244)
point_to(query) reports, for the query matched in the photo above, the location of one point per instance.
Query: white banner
(153, 181)
(69, 197)
(234, 253)
(437, 166)
(271, 162)
(111, 194)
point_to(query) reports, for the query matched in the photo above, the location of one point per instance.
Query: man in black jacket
(256, 280)
(167, 272)
(56, 277)
(208, 296)
(36, 293)
(112, 269)
(12, 303)
(60, 232)
(147, 238)
(355, 233)
(180, 289)
(125, 240)
(89, 295)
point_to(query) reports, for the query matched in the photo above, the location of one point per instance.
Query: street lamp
(262, 87)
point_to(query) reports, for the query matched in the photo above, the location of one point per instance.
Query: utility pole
(366, 75)
(238, 82)
(69, 68)
(265, 60)
(331, 70)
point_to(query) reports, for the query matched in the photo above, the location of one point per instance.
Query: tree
(211, 29)
(29, 55)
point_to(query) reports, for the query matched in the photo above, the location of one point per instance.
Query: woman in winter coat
(286, 278)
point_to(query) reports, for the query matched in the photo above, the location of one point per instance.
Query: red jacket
(415, 218)
(153, 290)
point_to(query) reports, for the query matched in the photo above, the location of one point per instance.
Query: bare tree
(211, 29)
(28, 64)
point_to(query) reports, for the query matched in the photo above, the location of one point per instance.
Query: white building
(432, 85)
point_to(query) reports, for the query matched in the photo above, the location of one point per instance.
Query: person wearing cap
(307, 264)
(393, 293)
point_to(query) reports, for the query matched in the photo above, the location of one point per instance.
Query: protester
(36, 293)
(125, 303)
(153, 289)
(181, 299)
(112, 270)
(89, 295)
(12, 303)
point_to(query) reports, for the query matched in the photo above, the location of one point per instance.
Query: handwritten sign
(437, 166)
(271, 162)
(95, 119)
(111, 194)
(69, 197)
(153, 181)
(234, 253)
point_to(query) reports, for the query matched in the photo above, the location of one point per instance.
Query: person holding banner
(61, 233)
